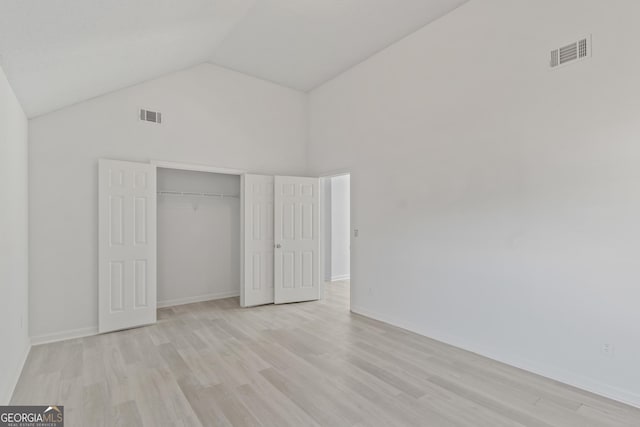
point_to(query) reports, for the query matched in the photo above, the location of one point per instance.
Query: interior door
(127, 245)
(257, 211)
(297, 241)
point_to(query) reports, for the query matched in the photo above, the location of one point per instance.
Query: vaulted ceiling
(59, 52)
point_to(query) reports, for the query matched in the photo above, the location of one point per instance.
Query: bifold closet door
(297, 241)
(127, 245)
(257, 211)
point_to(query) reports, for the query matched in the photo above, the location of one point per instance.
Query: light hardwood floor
(303, 364)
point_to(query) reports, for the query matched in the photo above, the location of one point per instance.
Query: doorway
(337, 237)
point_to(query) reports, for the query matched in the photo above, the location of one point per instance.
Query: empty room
(320, 213)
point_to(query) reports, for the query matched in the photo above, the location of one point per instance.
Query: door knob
(278, 246)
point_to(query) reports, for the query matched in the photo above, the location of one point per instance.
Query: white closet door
(257, 272)
(127, 245)
(297, 253)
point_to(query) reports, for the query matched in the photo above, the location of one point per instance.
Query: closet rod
(191, 193)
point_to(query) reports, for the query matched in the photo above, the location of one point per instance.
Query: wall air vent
(150, 116)
(572, 52)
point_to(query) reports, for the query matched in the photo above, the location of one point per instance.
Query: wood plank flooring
(309, 364)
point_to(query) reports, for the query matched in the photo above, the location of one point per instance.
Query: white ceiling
(59, 52)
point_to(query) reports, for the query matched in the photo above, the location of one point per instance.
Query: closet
(198, 223)
(173, 233)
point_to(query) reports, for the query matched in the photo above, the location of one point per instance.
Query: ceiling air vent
(572, 52)
(150, 116)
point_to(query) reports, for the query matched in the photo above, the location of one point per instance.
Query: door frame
(195, 167)
(324, 222)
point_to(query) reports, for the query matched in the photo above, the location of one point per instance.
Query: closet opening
(173, 234)
(198, 240)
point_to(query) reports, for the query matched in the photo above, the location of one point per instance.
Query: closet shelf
(192, 194)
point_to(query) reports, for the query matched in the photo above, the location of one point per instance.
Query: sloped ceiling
(60, 52)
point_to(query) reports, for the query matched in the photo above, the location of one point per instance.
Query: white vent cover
(150, 116)
(572, 52)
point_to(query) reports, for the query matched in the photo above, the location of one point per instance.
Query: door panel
(297, 253)
(127, 245)
(257, 272)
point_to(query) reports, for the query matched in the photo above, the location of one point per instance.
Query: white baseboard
(558, 374)
(87, 332)
(342, 277)
(64, 335)
(201, 298)
(16, 376)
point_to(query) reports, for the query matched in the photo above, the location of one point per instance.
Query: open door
(127, 245)
(257, 223)
(297, 240)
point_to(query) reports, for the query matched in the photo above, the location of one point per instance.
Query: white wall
(210, 116)
(340, 228)
(198, 237)
(498, 202)
(14, 276)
